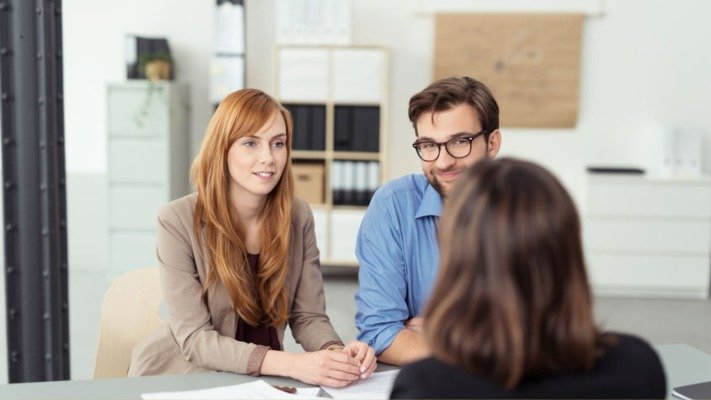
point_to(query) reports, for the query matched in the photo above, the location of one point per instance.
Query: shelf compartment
(309, 126)
(353, 183)
(356, 128)
(309, 180)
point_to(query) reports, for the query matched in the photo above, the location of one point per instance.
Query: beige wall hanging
(530, 61)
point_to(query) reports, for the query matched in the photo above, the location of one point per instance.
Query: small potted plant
(156, 66)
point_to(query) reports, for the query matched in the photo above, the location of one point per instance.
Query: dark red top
(261, 334)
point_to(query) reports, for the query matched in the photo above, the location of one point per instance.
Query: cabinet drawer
(131, 250)
(137, 161)
(135, 207)
(649, 274)
(627, 198)
(344, 230)
(141, 111)
(647, 235)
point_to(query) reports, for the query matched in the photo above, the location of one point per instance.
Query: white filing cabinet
(648, 237)
(148, 166)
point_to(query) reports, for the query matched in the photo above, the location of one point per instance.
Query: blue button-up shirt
(398, 256)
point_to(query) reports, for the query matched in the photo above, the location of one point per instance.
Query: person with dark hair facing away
(456, 123)
(511, 313)
(238, 261)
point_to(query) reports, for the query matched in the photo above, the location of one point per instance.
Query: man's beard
(436, 184)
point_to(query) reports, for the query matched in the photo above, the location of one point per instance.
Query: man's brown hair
(448, 93)
(512, 298)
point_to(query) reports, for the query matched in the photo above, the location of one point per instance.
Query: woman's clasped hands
(365, 356)
(337, 367)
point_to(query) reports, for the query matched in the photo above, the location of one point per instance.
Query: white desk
(647, 236)
(683, 365)
(129, 388)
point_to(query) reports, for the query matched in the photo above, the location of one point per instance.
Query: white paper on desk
(376, 386)
(252, 390)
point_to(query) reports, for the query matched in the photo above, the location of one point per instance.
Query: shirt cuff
(386, 337)
(254, 365)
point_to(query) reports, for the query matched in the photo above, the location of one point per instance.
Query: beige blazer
(199, 338)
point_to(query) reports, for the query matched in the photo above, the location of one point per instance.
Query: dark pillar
(34, 190)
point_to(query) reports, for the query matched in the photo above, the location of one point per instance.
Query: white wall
(93, 39)
(93, 34)
(646, 65)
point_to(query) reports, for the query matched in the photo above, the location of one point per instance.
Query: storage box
(309, 181)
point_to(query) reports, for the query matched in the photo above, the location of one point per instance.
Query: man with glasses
(456, 123)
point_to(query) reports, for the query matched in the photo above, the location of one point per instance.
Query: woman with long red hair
(238, 261)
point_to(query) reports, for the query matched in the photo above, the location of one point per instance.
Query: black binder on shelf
(301, 129)
(318, 123)
(309, 126)
(359, 130)
(693, 392)
(365, 129)
(342, 126)
(356, 128)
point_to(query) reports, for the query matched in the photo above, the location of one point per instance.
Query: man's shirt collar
(431, 205)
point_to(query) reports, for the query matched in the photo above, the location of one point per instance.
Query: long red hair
(243, 113)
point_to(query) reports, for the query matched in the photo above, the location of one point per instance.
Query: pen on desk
(288, 389)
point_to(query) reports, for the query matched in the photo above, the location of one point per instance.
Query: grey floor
(661, 321)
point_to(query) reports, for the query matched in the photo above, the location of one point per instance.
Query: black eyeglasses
(458, 147)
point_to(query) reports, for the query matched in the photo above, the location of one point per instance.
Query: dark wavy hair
(512, 297)
(448, 93)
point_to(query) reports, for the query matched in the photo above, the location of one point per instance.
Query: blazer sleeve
(189, 318)
(308, 321)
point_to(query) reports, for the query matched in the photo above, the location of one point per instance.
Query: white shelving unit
(336, 78)
(648, 237)
(148, 166)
